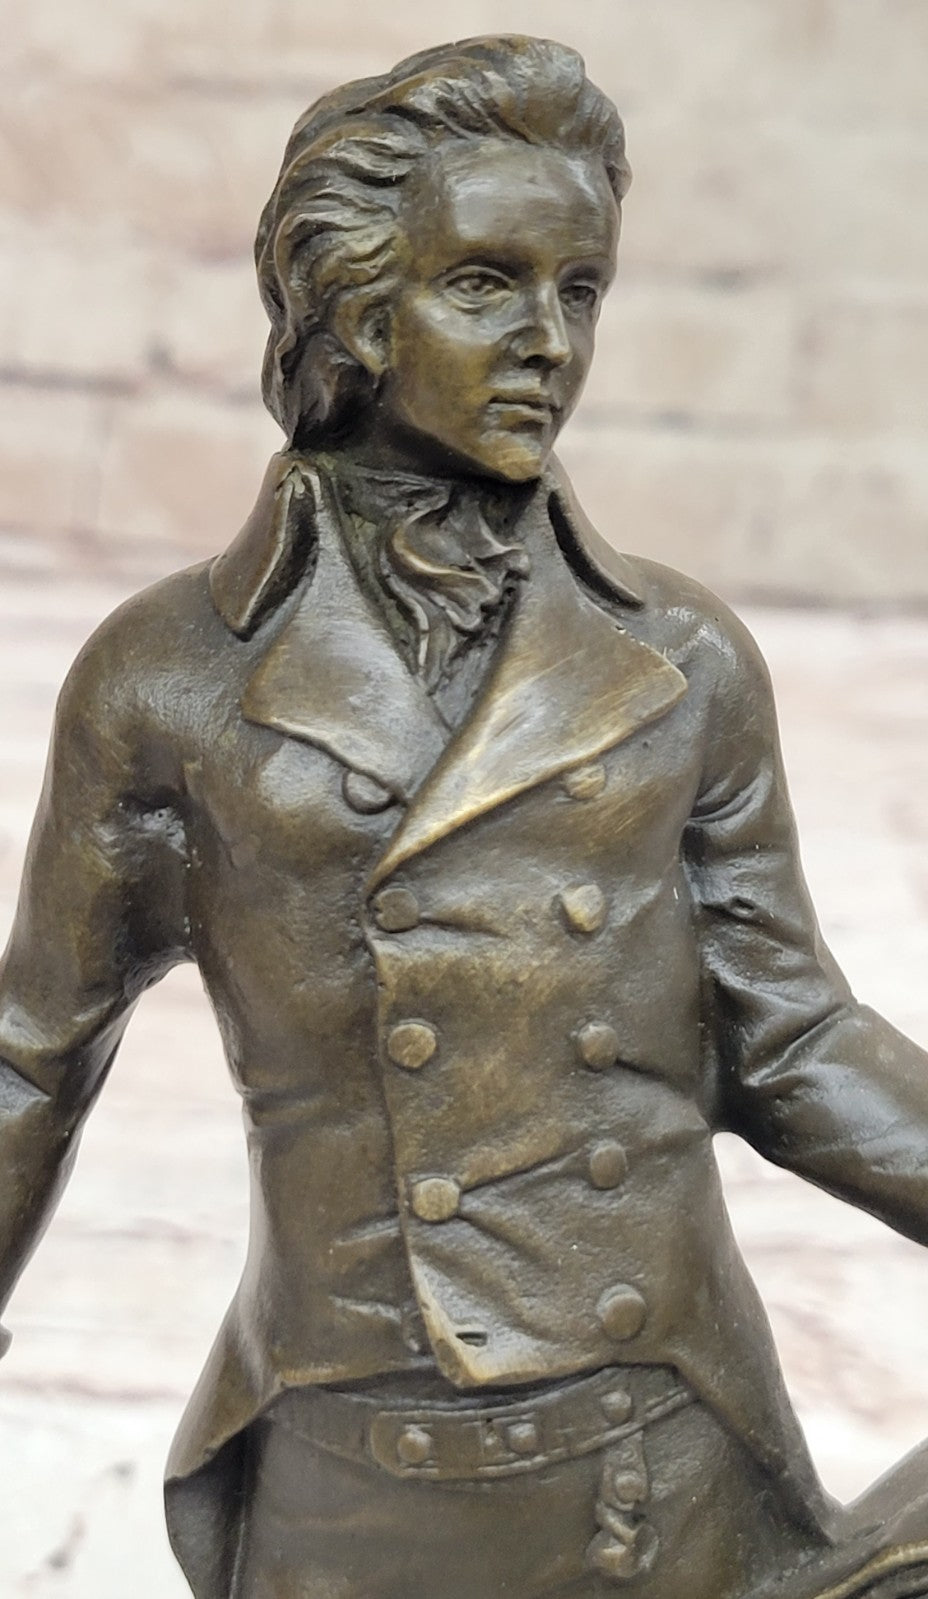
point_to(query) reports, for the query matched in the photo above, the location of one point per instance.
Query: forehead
(491, 195)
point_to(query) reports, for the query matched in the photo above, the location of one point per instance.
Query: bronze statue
(478, 833)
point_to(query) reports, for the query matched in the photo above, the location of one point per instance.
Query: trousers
(672, 1507)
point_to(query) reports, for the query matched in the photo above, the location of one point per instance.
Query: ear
(363, 328)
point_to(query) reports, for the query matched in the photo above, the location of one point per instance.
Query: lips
(533, 406)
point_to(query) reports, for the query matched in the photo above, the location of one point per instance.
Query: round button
(622, 1312)
(396, 910)
(411, 1044)
(618, 1562)
(629, 1487)
(414, 1446)
(608, 1164)
(522, 1438)
(585, 782)
(617, 1405)
(435, 1198)
(598, 1044)
(364, 794)
(584, 907)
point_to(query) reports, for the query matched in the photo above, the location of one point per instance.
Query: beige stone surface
(763, 371)
(764, 517)
(869, 362)
(177, 466)
(117, 1309)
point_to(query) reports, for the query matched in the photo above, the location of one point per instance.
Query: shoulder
(730, 700)
(730, 692)
(667, 609)
(138, 667)
(689, 619)
(729, 706)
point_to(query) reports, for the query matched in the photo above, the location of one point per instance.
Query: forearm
(37, 1151)
(44, 1102)
(846, 1106)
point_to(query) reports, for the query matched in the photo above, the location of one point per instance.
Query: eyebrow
(510, 257)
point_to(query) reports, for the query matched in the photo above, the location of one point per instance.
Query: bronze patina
(478, 834)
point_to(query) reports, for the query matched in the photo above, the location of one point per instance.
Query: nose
(544, 339)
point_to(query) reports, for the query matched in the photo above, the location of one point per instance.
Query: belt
(494, 1439)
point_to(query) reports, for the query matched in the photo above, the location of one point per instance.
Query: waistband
(500, 1438)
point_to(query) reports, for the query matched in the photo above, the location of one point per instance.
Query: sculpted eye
(477, 285)
(580, 296)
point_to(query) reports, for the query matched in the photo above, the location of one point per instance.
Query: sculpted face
(508, 250)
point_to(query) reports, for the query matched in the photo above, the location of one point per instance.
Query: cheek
(441, 376)
(579, 368)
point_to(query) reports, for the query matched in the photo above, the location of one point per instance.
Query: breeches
(669, 1506)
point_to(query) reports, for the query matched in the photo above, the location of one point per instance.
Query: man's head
(434, 253)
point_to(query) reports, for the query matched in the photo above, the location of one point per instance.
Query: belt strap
(454, 1441)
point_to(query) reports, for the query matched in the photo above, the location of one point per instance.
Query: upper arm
(100, 916)
(770, 979)
(100, 910)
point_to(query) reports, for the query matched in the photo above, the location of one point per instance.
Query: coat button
(608, 1164)
(411, 1044)
(414, 1446)
(617, 1562)
(364, 794)
(396, 910)
(585, 782)
(584, 908)
(435, 1198)
(522, 1438)
(598, 1045)
(617, 1405)
(622, 1312)
(630, 1488)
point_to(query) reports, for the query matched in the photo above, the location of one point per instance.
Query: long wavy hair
(331, 226)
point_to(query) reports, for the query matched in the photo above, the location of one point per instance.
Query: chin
(514, 460)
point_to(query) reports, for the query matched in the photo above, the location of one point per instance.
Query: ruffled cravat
(433, 548)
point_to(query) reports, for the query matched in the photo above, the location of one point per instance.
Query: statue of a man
(478, 834)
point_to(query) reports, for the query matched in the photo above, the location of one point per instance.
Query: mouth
(525, 406)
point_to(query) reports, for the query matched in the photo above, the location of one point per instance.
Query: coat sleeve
(815, 1081)
(100, 917)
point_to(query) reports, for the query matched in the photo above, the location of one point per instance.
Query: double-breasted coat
(486, 995)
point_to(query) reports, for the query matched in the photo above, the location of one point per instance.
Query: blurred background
(757, 416)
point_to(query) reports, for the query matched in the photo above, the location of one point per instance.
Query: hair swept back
(330, 226)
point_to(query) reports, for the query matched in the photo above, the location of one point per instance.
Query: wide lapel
(566, 683)
(334, 677)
